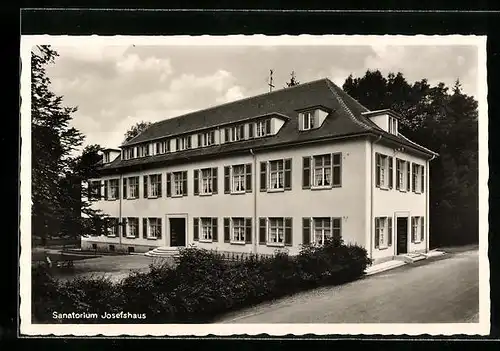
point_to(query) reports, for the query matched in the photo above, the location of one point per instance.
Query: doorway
(177, 231)
(402, 235)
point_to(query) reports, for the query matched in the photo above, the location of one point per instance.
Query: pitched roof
(346, 118)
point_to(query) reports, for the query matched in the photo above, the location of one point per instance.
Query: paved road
(439, 291)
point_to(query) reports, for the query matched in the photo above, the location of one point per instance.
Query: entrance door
(177, 231)
(402, 235)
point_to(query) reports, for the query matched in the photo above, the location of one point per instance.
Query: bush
(202, 285)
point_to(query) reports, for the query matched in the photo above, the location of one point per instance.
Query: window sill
(132, 198)
(277, 190)
(205, 194)
(417, 242)
(177, 196)
(111, 236)
(322, 187)
(385, 188)
(130, 237)
(383, 248)
(151, 238)
(238, 192)
(237, 243)
(111, 199)
(207, 241)
(275, 244)
(153, 197)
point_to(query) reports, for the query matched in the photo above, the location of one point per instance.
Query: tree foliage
(446, 122)
(135, 130)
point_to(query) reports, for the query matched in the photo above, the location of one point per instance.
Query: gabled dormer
(387, 120)
(312, 117)
(108, 155)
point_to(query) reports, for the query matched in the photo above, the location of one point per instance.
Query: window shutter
(262, 231)
(214, 180)
(195, 182)
(159, 185)
(177, 144)
(288, 174)
(145, 188)
(408, 176)
(159, 232)
(337, 169)
(124, 188)
(124, 227)
(398, 172)
(422, 178)
(226, 180)
(184, 183)
(268, 126)
(214, 230)
(196, 228)
(336, 220)
(288, 231)
(248, 178)
(248, 230)
(250, 130)
(306, 231)
(227, 237)
(105, 190)
(263, 176)
(169, 185)
(412, 229)
(389, 231)
(391, 160)
(377, 232)
(199, 140)
(306, 173)
(145, 228)
(377, 170)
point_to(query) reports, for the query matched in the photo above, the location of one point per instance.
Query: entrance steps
(165, 251)
(411, 257)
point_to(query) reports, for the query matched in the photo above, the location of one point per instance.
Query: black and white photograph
(230, 185)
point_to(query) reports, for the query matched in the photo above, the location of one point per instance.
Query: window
(276, 175)
(154, 228)
(130, 153)
(276, 231)
(384, 171)
(418, 178)
(205, 229)
(106, 157)
(155, 185)
(132, 185)
(325, 171)
(143, 151)
(113, 226)
(130, 249)
(177, 184)
(205, 181)
(262, 128)
(206, 139)
(133, 227)
(393, 125)
(237, 133)
(162, 147)
(94, 190)
(113, 189)
(183, 143)
(417, 230)
(322, 230)
(238, 179)
(238, 230)
(402, 167)
(307, 120)
(322, 171)
(383, 232)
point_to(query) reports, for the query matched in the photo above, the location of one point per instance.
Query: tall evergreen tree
(445, 122)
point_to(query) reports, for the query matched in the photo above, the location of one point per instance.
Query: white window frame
(323, 167)
(205, 179)
(129, 227)
(325, 229)
(235, 133)
(402, 178)
(205, 230)
(132, 187)
(308, 120)
(237, 231)
(153, 228)
(260, 129)
(417, 226)
(177, 184)
(207, 139)
(276, 227)
(154, 187)
(183, 143)
(393, 125)
(383, 232)
(241, 179)
(111, 187)
(280, 175)
(113, 229)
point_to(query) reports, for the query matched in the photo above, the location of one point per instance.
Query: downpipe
(254, 202)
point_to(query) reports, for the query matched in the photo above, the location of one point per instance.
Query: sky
(115, 87)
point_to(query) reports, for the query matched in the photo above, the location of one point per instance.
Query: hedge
(202, 285)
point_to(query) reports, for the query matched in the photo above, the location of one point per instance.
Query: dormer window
(143, 151)
(183, 143)
(162, 147)
(206, 139)
(308, 120)
(237, 133)
(106, 157)
(393, 125)
(262, 128)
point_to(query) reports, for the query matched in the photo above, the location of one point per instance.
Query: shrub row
(201, 286)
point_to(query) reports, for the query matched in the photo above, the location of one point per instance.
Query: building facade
(271, 172)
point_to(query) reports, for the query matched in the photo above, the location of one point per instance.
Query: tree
(293, 81)
(446, 123)
(53, 142)
(135, 130)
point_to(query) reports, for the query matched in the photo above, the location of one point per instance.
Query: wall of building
(346, 201)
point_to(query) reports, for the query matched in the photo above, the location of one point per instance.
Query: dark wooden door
(402, 235)
(177, 232)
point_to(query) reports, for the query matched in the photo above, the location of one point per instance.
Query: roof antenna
(271, 86)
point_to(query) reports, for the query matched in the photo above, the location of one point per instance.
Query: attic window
(393, 125)
(106, 157)
(306, 120)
